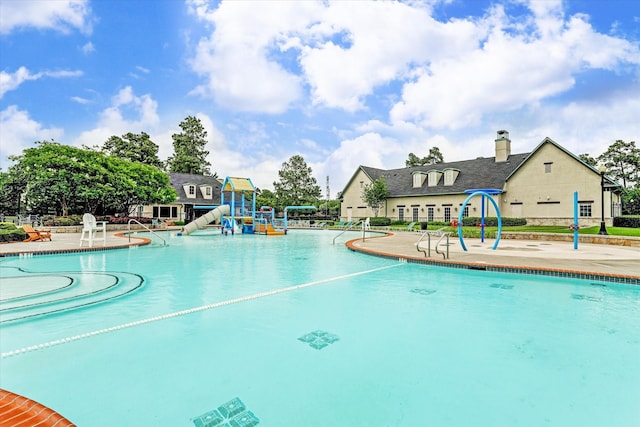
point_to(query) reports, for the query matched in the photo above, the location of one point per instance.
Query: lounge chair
(411, 225)
(90, 227)
(35, 235)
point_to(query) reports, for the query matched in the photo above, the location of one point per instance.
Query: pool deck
(548, 257)
(534, 256)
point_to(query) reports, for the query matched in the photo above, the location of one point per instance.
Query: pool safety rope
(188, 311)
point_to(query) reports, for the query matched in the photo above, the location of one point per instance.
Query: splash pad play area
(237, 212)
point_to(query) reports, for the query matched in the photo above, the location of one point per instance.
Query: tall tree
(74, 180)
(622, 161)
(189, 155)
(374, 194)
(297, 187)
(135, 147)
(434, 157)
(591, 161)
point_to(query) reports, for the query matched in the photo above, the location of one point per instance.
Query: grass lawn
(490, 232)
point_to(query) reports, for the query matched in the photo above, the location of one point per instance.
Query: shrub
(10, 233)
(125, 219)
(492, 221)
(379, 221)
(61, 221)
(629, 221)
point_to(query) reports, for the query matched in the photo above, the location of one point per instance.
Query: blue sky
(343, 83)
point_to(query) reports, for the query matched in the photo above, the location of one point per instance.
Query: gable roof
(179, 180)
(610, 183)
(482, 172)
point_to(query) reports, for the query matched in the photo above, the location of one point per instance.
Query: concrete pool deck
(512, 255)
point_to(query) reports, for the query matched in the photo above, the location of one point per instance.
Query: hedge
(379, 221)
(10, 233)
(629, 221)
(492, 221)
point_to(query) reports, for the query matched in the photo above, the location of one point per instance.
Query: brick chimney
(503, 146)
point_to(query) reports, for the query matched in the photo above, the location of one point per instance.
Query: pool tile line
(188, 311)
(565, 273)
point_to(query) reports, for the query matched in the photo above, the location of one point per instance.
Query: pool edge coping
(482, 266)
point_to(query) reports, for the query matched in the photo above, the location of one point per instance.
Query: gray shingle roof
(178, 180)
(482, 172)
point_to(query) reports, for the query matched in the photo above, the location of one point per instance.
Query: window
(207, 191)
(174, 212)
(165, 211)
(465, 213)
(429, 214)
(447, 214)
(585, 209)
(547, 167)
(415, 214)
(401, 214)
(192, 190)
(156, 211)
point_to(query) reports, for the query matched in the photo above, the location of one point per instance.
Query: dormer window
(206, 191)
(418, 179)
(190, 190)
(450, 176)
(434, 177)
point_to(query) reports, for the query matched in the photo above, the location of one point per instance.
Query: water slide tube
(211, 216)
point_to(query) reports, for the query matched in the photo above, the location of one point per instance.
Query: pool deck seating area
(593, 261)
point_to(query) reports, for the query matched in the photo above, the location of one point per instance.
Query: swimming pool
(295, 331)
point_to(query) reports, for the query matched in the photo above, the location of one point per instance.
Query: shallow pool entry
(233, 413)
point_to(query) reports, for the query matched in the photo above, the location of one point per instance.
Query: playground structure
(237, 212)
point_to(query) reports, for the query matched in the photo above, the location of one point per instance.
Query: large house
(538, 186)
(197, 194)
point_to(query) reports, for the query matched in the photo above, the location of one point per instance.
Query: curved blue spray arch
(483, 193)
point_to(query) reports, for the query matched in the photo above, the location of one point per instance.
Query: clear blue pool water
(294, 331)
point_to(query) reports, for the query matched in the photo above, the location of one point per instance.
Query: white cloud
(88, 48)
(18, 131)
(58, 15)
(509, 71)
(11, 81)
(127, 113)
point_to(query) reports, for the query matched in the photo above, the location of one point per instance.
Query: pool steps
(20, 411)
(83, 289)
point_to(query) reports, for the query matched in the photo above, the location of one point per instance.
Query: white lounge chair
(90, 227)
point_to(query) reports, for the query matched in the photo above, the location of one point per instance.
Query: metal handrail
(346, 229)
(164, 242)
(429, 233)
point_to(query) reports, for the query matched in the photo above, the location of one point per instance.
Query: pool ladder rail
(164, 242)
(348, 227)
(437, 233)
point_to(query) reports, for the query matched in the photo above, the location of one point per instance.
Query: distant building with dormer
(538, 186)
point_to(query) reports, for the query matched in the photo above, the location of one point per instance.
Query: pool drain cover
(233, 413)
(319, 339)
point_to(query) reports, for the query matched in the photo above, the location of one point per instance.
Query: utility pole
(328, 197)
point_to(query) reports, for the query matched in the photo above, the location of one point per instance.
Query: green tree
(75, 180)
(631, 202)
(265, 198)
(374, 194)
(297, 187)
(435, 156)
(591, 161)
(189, 155)
(622, 161)
(135, 147)
(10, 192)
